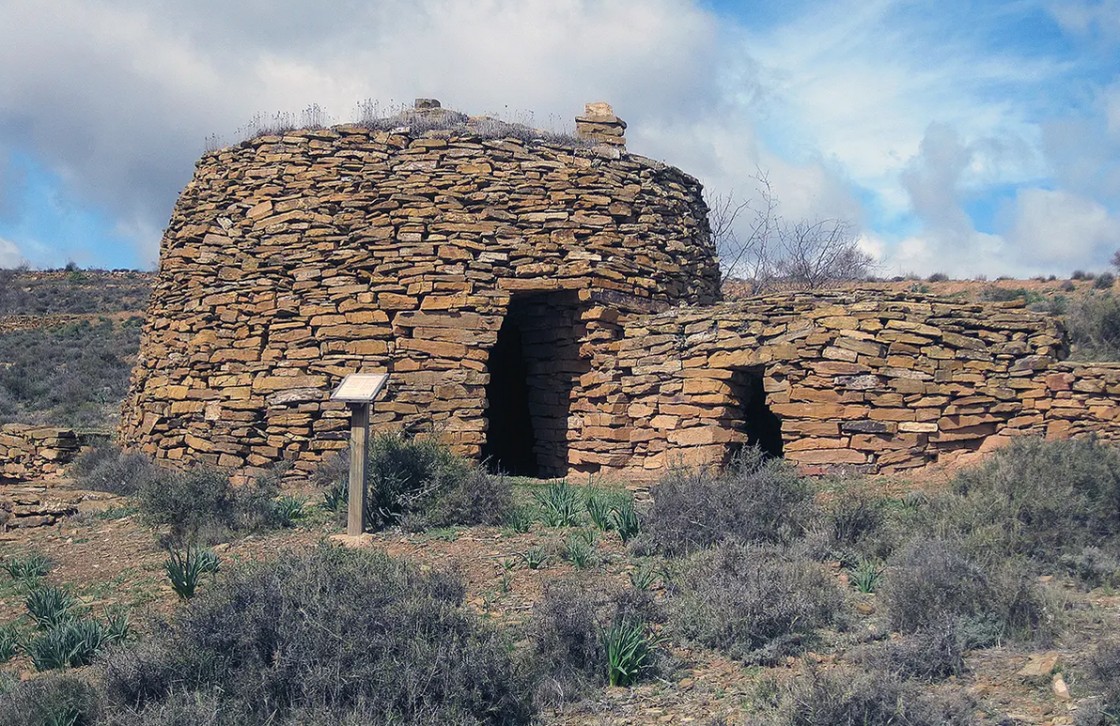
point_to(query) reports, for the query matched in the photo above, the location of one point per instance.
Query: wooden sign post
(358, 390)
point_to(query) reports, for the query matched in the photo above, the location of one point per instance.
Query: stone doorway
(533, 367)
(754, 418)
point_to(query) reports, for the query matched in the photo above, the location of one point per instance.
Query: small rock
(1040, 665)
(865, 608)
(1061, 690)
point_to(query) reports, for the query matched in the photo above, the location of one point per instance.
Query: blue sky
(973, 138)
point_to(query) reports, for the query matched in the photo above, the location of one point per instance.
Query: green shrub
(54, 700)
(847, 697)
(1104, 281)
(580, 549)
(520, 519)
(534, 558)
(599, 510)
(630, 647)
(558, 504)
(50, 606)
(755, 602)
(72, 644)
(624, 520)
(865, 576)
(186, 569)
(573, 631)
(1044, 500)
(106, 468)
(1093, 323)
(330, 630)
(932, 582)
(754, 499)
(287, 510)
(1102, 672)
(26, 568)
(9, 642)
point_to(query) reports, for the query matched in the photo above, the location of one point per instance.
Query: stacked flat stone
(32, 452)
(599, 125)
(291, 261)
(859, 380)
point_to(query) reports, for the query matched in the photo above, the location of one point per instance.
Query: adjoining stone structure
(31, 452)
(550, 307)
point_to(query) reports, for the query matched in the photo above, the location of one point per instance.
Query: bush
(55, 700)
(330, 630)
(201, 504)
(937, 277)
(418, 483)
(1104, 281)
(846, 697)
(931, 585)
(929, 654)
(193, 503)
(754, 602)
(106, 468)
(1044, 500)
(476, 498)
(582, 638)
(754, 499)
(1093, 323)
(1103, 674)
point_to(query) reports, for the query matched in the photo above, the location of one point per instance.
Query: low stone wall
(31, 452)
(856, 380)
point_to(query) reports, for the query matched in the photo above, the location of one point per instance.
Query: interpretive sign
(358, 390)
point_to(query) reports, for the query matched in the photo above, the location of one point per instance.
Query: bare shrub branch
(777, 253)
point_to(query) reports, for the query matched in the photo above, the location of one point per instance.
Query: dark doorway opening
(533, 367)
(510, 442)
(762, 426)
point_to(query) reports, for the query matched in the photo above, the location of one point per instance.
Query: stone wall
(31, 452)
(291, 261)
(853, 380)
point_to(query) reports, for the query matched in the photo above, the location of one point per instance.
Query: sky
(965, 137)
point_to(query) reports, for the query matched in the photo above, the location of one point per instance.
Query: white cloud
(1052, 227)
(1099, 18)
(10, 255)
(117, 97)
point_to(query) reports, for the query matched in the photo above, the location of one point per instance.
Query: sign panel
(360, 387)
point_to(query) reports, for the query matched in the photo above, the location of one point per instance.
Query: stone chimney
(599, 124)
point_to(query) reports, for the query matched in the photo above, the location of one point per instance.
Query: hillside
(68, 340)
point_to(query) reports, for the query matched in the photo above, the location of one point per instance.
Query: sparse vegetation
(72, 375)
(754, 499)
(849, 697)
(755, 602)
(26, 568)
(352, 634)
(1093, 321)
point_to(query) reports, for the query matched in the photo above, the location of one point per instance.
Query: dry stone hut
(549, 304)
